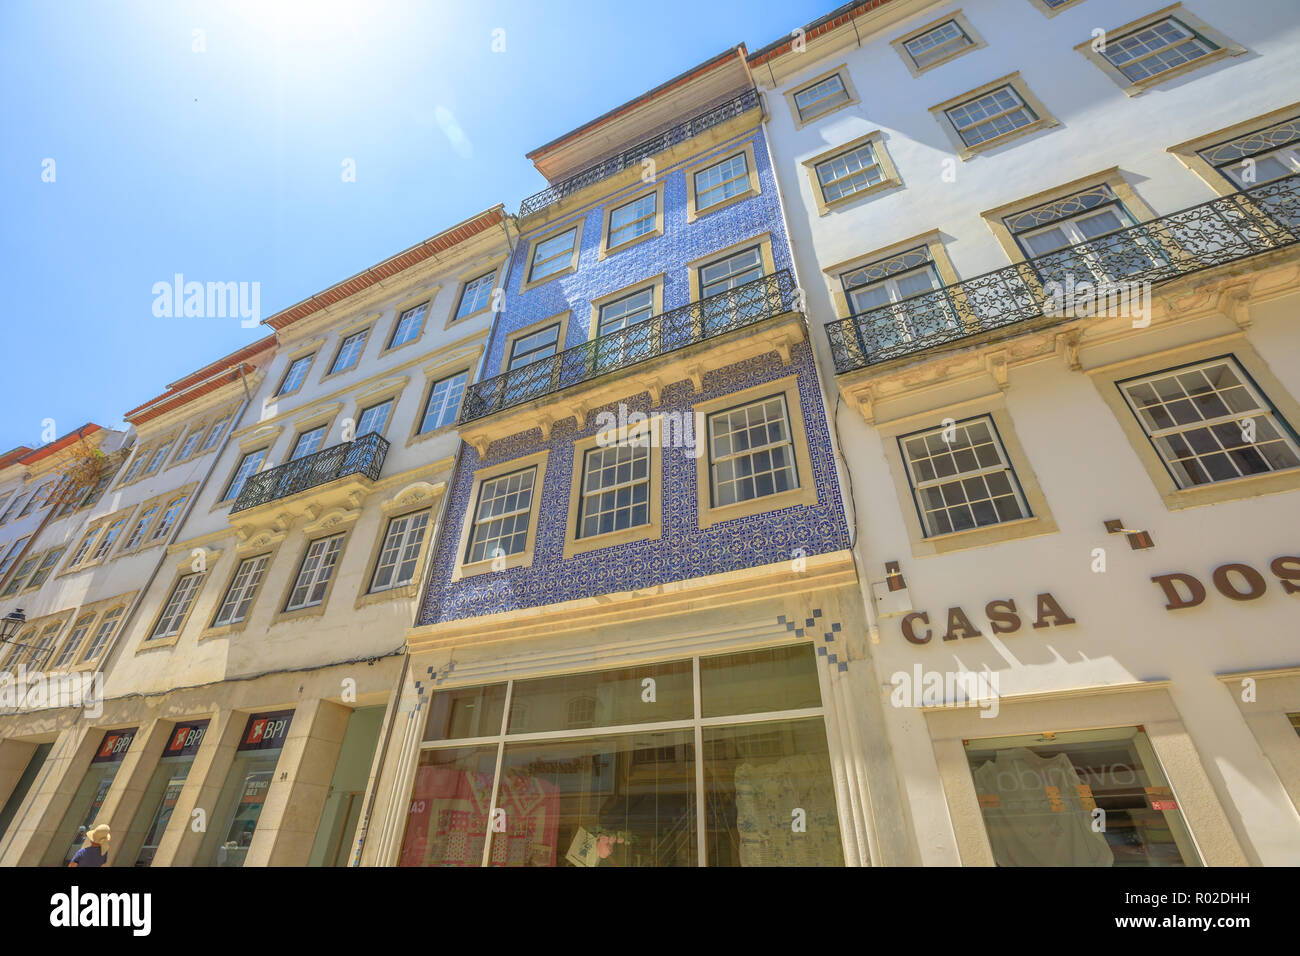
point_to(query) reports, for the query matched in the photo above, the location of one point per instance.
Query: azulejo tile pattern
(683, 551)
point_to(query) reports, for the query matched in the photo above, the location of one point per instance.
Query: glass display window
(604, 768)
(1078, 798)
(239, 807)
(84, 808)
(164, 790)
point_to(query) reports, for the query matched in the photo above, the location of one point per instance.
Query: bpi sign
(116, 744)
(185, 739)
(266, 731)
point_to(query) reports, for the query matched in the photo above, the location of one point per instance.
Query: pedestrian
(95, 852)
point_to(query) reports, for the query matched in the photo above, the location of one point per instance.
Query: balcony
(745, 305)
(363, 457)
(632, 156)
(1215, 233)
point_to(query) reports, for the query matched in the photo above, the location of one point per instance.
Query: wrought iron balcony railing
(632, 156)
(1115, 265)
(658, 335)
(365, 456)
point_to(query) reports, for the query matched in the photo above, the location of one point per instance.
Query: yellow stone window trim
(650, 433)
(957, 17)
(1226, 47)
(468, 275)
(576, 225)
(931, 240)
(801, 121)
(1044, 120)
(165, 600)
(1050, 11)
(335, 524)
(606, 218)
(90, 561)
(1188, 153)
(693, 212)
(655, 283)
(432, 378)
(1113, 177)
(224, 630)
(764, 242)
(410, 590)
(101, 609)
(1267, 713)
(1039, 522)
(368, 326)
(560, 317)
(390, 389)
(522, 559)
(310, 351)
(1237, 347)
(806, 491)
(425, 297)
(890, 178)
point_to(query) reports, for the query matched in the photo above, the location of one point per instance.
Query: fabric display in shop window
(766, 795)
(1034, 813)
(532, 808)
(448, 818)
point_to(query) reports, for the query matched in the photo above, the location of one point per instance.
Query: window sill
(430, 434)
(287, 617)
(696, 214)
(826, 207)
(406, 592)
(990, 144)
(1234, 489)
(1030, 527)
(528, 285)
(709, 516)
(523, 559)
(223, 630)
(606, 252)
(611, 539)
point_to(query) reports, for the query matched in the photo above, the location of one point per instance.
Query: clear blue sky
(225, 165)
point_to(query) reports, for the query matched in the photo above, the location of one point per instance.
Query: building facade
(1054, 276)
(635, 646)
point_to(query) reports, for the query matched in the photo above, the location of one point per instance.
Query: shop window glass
(466, 712)
(84, 808)
(776, 678)
(620, 697)
(164, 790)
(239, 807)
(1082, 798)
(446, 823)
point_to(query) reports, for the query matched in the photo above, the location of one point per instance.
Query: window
(243, 588)
(751, 454)
(349, 351)
(408, 326)
(721, 181)
(476, 295)
(16, 582)
(849, 172)
(626, 311)
(12, 554)
(374, 418)
(444, 402)
(991, 115)
(534, 347)
(501, 519)
(615, 489)
(12, 505)
(1209, 422)
(83, 547)
(159, 456)
(822, 97)
(1258, 157)
(68, 653)
(308, 443)
(191, 441)
(314, 574)
(297, 372)
(1155, 49)
(96, 490)
(4, 499)
(12, 651)
(103, 633)
(214, 435)
(400, 552)
(726, 275)
(177, 607)
(141, 456)
(109, 536)
(36, 500)
(46, 566)
(44, 645)
(141, 526)
(632, 220)
(937, 44)
(569, 737)
(734, 270)
(248, 465)
(169, 516)
(961, 477)
(554, 255)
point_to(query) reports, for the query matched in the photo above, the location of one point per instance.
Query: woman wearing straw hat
(95, 852)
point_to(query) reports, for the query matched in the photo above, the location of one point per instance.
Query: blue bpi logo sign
(266, 731)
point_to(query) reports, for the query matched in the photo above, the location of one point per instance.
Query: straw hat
(99, 834)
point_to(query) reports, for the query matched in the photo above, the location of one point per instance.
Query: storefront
(81, 813)
(244, 794)
(719, 760)
(163, 792)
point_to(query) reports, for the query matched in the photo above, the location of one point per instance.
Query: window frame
(464, 568)
(346, 336)
(111, 618)
(420, 430)
(753, 187)
(226, 627)
(958, 19)
(491, 276)
(649, 431)
(289, 612)
(576, 227)
(1043, 119)
(607, 246)
(226, 495)
(1189, 152)
(424, 301)
(409, 588)
(1199, 29)
(156, 639)
(884, 162)
(304, 362)
(793, 90)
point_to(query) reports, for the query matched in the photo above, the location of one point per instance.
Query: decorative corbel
(696, 374)
(656, 391)
(996, 364)
(479, 443)
(1067, 346)
(1234, 302)
(864, 397)
(546, 423)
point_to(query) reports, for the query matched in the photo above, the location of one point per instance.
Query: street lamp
(10, 623)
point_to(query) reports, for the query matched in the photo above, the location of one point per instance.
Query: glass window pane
(757, 779)
(603, 699)
(466, 712)
(626, 800)
(776, 678)
(446, 822)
